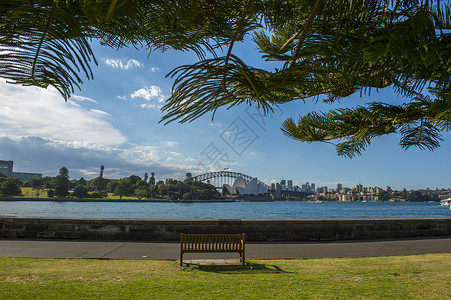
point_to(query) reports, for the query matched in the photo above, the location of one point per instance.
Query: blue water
(226, 210)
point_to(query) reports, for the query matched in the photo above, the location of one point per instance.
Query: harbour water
(225, 210)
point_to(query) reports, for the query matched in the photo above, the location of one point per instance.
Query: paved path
(254, 250)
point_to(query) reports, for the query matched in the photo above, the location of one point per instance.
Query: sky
(114, 121)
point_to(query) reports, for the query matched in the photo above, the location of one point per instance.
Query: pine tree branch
(303, 36)
(44, 34)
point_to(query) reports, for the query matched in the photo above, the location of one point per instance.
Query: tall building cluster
(287, 185)
(357, 193)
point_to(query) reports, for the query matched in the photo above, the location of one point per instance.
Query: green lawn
(394, 277)
(29, 192)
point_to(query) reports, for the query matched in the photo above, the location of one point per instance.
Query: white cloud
(149, 93)
(141, 154)
(99, 113)
(35, 154)
(213, 124)
(41, 133)
(32, 111)
(82, 98)
(150, 105)
(154, 69)
(123, 64)
(170, 144)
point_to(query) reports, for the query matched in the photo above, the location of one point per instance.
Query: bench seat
(210, 243)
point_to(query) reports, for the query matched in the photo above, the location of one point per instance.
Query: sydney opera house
(240, 187)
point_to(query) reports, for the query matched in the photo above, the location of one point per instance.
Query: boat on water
(446, 202)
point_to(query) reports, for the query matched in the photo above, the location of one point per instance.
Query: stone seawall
(256, 230)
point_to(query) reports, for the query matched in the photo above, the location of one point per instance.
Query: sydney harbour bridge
(218, 179)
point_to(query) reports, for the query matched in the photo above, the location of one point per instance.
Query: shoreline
(6, 199)
(125, 200)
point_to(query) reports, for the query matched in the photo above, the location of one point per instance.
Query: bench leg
(181, 259)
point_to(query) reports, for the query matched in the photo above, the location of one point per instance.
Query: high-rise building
(306, 187)
(6, 167)
(359, 188)
(290, 184)
(339, 187)
(323, 189)
(312, 187)
(283, 184)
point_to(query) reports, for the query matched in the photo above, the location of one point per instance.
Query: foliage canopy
(325, 49)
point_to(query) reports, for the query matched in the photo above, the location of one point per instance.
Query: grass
(392, 277)
(28, 192)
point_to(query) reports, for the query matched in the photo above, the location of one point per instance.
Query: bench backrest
(212, 242)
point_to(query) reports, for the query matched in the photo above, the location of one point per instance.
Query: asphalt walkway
(254, 250)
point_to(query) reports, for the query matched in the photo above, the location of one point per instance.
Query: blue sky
(113, 121)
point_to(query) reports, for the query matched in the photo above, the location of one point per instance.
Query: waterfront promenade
(254, 250)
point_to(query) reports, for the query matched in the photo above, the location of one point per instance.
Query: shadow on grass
(249, 268)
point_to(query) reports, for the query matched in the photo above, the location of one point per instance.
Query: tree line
(410, 196)
(61, 186)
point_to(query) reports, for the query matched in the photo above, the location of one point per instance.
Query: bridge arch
(219, 178)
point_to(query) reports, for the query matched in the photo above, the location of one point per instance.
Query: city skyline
(113, 121)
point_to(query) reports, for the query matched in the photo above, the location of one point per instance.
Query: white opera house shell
(240, 187)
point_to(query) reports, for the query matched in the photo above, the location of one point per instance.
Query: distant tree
(142, 192)
(134, 179)
(140, 183)
(10, 188)
(384, 196)
(80, 191)
(111, 186)
(162, 189)
(188, 177)
(102, 168)
(17, 181)
(36, 184)
(98, 184)
(62, 183)
(50, 193)
(121, 191)
(417, 196)
(49, 182)
(82, 181)
(73, 183)
(152, 179)
(146, 177)
(124, 188)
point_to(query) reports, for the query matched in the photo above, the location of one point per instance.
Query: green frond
(206, 86)
(328, 48)
(422, 134)
(35, 48)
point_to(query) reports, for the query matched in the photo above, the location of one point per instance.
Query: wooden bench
(206, 243)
